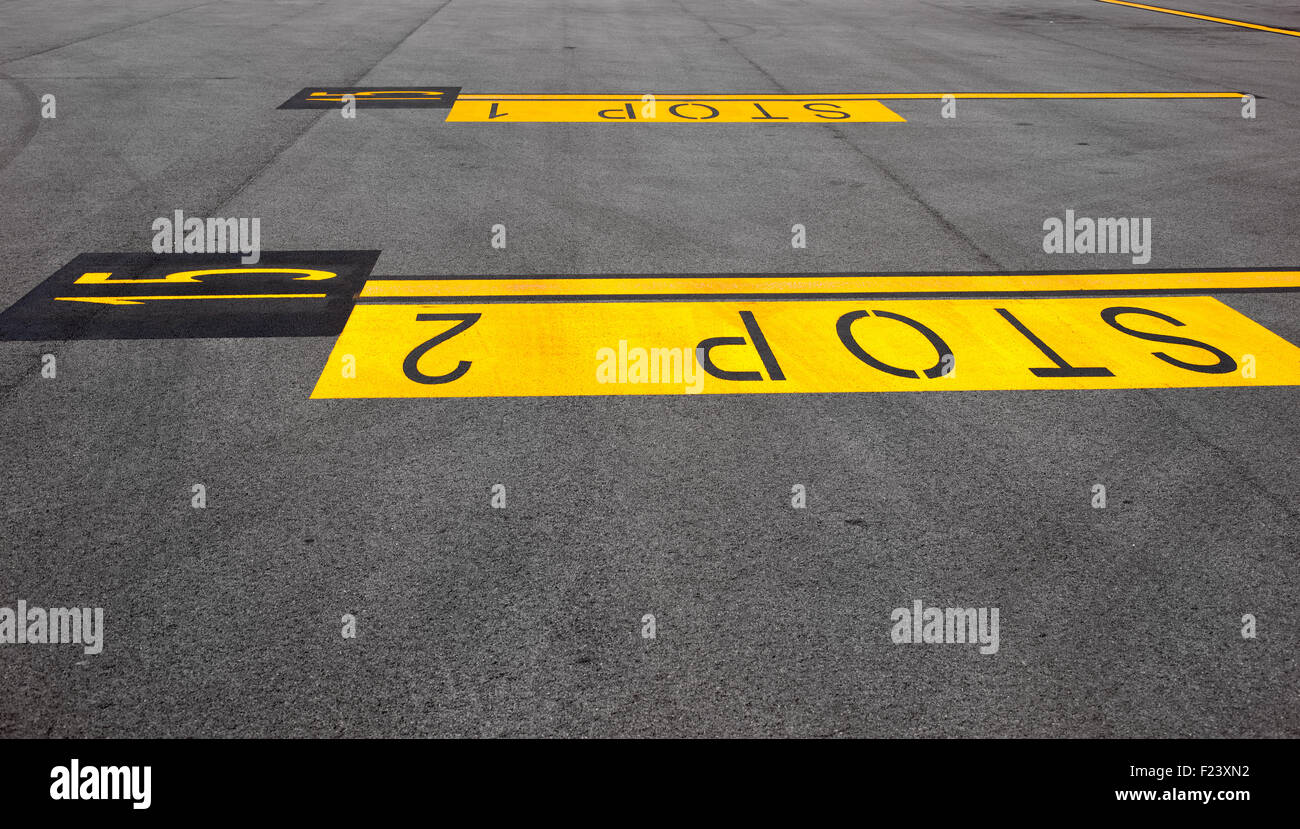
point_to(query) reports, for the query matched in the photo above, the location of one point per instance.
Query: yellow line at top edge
(623, 96)
(1225, 20)
(669, 285)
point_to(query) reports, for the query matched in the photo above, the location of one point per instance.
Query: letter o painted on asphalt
(673, 110)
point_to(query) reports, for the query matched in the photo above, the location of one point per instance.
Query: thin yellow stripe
(339, 97)
(368, 92)
(856, 96)
(815, 284)
(1223, 20)
(128, 300)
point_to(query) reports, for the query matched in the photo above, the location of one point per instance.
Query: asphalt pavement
(530, 620)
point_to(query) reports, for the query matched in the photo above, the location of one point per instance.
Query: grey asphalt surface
(1122, 622)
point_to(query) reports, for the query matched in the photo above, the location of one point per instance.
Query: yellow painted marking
(732, 108)
(416, 95)
(1224, 20)
(700, 110)
(136, 300)
(533, 349)
(855, 96)
(817, 284)
(103, 278)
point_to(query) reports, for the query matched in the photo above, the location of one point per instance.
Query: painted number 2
(411, 365)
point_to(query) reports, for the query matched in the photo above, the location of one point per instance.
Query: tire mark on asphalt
(30, 123)
(105, 32)
(839, 132)
(1225, 457)
(32, 372)
(1172, 73)
(261, 170)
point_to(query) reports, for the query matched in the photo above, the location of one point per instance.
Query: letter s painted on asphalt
(1225, 365)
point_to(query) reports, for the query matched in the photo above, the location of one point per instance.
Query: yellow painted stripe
(373, 93)
(819, 284)
(136, 300)
(1224, 20)
(106, 277)
(856, 96)
(338, 97)
(660, 348)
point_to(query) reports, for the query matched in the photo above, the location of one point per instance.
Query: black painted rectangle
(375, 97)
(250, 301)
